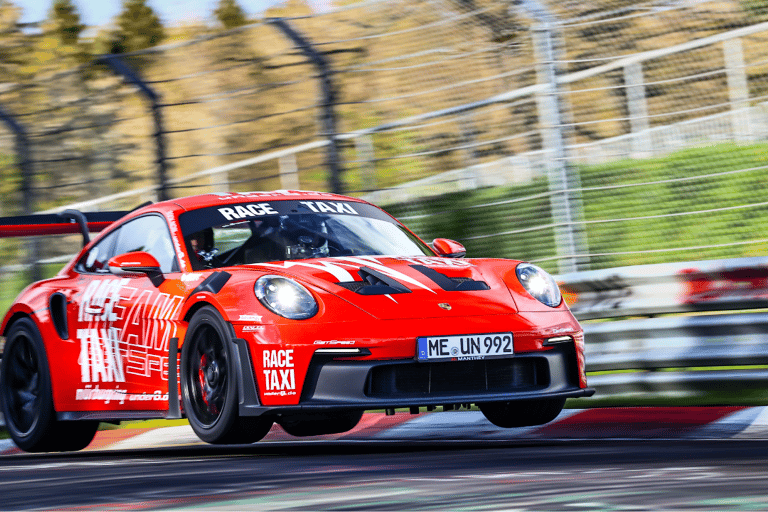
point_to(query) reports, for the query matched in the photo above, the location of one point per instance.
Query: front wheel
(27, 400)
(523, 413)
(321, 424)
(209, 384)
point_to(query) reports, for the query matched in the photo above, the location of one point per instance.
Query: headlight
(285, 297)
(539, 284)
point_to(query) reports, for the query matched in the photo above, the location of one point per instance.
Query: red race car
(300, 308)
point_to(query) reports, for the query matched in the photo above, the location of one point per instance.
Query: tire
(25, 381)
(209, 383)
(321, 424)
(524, 413)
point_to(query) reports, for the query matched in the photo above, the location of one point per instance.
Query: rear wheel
(209, 384)
(321, 424)
(27, 400)
(523, 413)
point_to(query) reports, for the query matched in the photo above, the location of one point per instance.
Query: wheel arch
(193, 306)
(18, 312)
(247, 389)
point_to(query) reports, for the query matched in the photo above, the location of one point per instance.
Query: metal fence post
(327, 89)
(566, 203)
(366, 161)
(289, 172)
(638, 110)
(121, 68)
(23, 155)
(738, 89)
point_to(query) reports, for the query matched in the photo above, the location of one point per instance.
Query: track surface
(445, 475)
(597, 459)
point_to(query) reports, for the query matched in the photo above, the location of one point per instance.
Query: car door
(123, 322)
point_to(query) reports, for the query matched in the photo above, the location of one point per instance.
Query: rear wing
(66, 222)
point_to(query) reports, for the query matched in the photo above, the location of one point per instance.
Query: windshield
(289, 230)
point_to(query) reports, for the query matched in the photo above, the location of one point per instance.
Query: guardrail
(680, 355)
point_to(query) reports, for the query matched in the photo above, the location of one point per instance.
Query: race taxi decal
(124, 330)
(244, 212)
(279, 372)
(249, 211)
(329, 207)
(100, 356)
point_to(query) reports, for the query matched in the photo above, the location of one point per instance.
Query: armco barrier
(679, 354)
(644, 290)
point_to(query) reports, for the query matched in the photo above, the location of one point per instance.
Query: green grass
(716, 181)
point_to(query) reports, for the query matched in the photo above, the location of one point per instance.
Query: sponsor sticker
(253, 328)
(279, 372)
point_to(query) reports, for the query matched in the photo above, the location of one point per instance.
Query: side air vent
(57, 305)
(374, 283)
(452, 284)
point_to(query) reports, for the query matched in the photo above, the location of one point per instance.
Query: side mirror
(137, 263)
(448, 248)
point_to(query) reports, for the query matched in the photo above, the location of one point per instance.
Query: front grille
(457, 377)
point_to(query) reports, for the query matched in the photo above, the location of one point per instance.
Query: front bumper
(348, 384)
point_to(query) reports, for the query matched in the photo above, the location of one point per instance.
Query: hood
(404, 287)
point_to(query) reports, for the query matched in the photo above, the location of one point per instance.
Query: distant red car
(299, 308)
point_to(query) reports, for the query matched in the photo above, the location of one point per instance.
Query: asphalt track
(649, 459)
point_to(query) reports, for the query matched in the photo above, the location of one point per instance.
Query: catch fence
(579, 136)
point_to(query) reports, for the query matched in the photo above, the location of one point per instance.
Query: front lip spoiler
(374, 404)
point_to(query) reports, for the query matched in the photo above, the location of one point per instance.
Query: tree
(138, 28)
(230, 14)
(12, 47)
(67, 21)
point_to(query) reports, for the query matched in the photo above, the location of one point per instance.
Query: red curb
(370, 424)
(105, 438)
(641, 422)
(374, 423)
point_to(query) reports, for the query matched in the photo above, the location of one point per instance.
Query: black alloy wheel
(209, 383)
(522, 413)
(211, 366)
(22, 384)
(27, 399)
(319, 424)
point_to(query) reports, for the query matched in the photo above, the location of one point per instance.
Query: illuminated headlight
(285, 297)
(539, 284)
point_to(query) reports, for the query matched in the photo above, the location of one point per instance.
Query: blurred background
(618, 144)
(578, 135)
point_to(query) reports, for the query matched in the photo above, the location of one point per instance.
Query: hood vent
(374, 283)
(452, 284)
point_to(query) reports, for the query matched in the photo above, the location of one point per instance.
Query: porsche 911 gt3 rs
(241, 310)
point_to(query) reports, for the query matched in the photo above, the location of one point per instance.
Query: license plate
(466, 347)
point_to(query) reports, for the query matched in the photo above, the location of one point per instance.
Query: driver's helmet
(305, 236)
(202, 244)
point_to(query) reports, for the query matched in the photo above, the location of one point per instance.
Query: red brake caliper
(201, 377)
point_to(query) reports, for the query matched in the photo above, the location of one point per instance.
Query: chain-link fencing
(577, 135)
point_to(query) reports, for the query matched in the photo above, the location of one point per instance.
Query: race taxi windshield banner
(220, 215)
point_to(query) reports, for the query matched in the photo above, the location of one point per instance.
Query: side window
(97, 259)
(149, 234)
